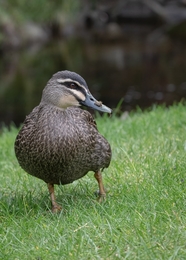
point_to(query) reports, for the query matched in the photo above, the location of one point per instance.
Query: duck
(59, 141)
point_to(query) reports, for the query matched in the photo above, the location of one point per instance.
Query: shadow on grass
(32, 202)
(18, 204)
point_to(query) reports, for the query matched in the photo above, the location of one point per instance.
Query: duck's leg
(55, 206)
(102, 193)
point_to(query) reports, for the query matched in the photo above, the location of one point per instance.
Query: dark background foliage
(132, 51)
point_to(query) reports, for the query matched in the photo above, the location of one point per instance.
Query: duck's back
(61, 146)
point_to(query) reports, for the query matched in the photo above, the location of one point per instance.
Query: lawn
(144, 216)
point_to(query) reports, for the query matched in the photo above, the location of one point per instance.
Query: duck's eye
(72, 85)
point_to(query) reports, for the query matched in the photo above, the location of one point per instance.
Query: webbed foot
(56, 208)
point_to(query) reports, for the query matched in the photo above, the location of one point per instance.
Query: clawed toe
(56, 209)
(101, 197)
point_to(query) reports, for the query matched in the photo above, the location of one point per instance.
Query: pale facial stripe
(78, 94)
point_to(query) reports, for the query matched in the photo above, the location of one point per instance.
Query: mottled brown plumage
(59, 142)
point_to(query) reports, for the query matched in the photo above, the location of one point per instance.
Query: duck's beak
(91, 102)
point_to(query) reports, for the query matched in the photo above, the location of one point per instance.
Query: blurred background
(129, 50)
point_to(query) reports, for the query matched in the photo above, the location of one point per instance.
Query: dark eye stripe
(69, 85)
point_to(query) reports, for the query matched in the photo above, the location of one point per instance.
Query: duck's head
(67, 88)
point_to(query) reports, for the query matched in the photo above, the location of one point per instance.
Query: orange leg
(102, 193)
(55, 207)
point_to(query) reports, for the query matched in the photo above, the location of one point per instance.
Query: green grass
(144, 216)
